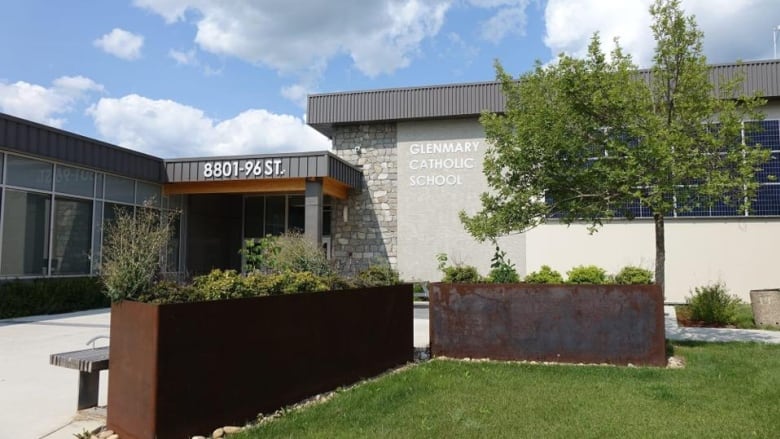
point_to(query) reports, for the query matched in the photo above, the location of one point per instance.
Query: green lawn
(726, 390)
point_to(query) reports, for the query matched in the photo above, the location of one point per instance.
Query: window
(25, 233)
(72, 238)
(275, 215)
(147, 192)
(296, 216)
(120, 189)
(254, 212)
(28, 173)
(74, 181)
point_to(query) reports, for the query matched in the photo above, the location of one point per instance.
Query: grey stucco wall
(367, 232)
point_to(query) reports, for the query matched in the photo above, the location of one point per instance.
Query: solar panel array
(766, 202)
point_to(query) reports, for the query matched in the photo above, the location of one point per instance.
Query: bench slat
(87, 360)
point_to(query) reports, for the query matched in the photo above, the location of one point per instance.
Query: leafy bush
(502, 269)
(586, 274)
(630, 275)
(288, 252)
(133, 250)
(291, 282)
(21, 298)
(378, 275)
(166, 291)
(457, 273)
(545, 275)
(228, 284)
(257, 253)
(222, 284)
(712, 304)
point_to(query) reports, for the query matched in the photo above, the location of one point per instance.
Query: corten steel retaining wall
(616, 324)
(186, 369)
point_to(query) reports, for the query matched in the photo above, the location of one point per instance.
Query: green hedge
(19, 298)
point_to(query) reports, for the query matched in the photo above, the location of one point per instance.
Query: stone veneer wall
(370, 234)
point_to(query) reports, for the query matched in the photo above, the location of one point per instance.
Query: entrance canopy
(262, 174)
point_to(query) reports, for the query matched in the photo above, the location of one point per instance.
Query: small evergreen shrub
(378, 275)
(20, 298)
(712, 304)
(545, 275)
(630, 275)
(457, 273)
(586, 274)
(502, 269)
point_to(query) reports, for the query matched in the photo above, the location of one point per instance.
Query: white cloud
(302, 36)
(509, 19)
(297, 93)
(185, 58)
(732, 30)
(505, 22)
(121, 43)
(169, 129)
(46, 104)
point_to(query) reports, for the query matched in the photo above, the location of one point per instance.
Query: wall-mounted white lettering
(248, 168)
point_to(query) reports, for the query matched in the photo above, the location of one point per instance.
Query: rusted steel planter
(185, 369)
(617, 324)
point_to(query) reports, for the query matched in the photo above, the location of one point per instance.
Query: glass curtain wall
(277, 214)
(52, 216)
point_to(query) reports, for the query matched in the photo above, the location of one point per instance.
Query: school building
(403, 163)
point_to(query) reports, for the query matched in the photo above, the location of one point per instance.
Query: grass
(726, 390)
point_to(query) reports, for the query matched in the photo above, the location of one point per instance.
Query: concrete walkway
(676, 332)
(39, 401)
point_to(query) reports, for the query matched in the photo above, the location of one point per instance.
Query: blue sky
(178, 78)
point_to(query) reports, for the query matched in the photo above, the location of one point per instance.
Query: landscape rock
(218, 433)
(105, 434)
(230, 429)
(675, 363)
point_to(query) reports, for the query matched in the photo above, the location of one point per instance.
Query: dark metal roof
(291, 165)
(469, 100)
(34, 139)
(450, 101)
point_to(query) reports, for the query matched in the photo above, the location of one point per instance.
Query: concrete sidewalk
(680, 333)
(39, 401)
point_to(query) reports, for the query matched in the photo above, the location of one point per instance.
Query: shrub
(379, 275)
(288, 252)
(258, 252)
(545, 275)
(586, 274)
(133, 250)
(222, 284)
(291, 282)
(712, 304)
(20, 298)
(166, 291)
(634, 276)
(457, 273)
(502, 269)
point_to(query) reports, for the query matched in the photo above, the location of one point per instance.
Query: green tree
(583, 139)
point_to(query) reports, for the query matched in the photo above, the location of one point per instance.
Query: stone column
(313, 210)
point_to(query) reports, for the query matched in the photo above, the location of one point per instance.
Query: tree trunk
(660, 252)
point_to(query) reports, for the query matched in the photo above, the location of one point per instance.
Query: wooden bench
(89, 363)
